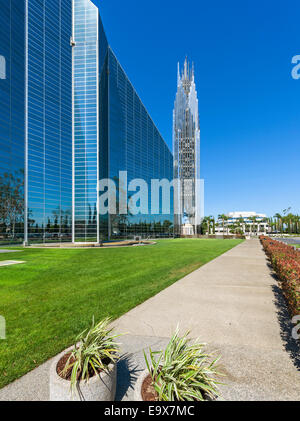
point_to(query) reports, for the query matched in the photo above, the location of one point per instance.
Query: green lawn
(50, 299)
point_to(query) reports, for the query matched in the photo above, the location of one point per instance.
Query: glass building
(135, 145)
(49, 120)
(69, 118)
(12, 120)
(87, 63)
(188, 199)
(36, 120)
(113, 133)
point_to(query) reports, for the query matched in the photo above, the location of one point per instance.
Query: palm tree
(242, 224)
(232, 228)
(211, 220)
(214, 225)
(247, 228)
(297, 223)
(290, 220)
(279, 222)
(205, 225)
(267, 220)
(286, 218)
(227, 227)
(222, 217)
(253, 219)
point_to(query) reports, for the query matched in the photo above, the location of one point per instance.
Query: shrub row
(286, 263)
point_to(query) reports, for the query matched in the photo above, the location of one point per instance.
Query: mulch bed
(67, 376)
(148, 392)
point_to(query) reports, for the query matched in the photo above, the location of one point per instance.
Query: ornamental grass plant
(94, 351)
(183, 371)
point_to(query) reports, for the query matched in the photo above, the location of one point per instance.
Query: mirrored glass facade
(70, 117)
(113, 133)
(86, 120)
(49, 126)
(135, 145)
(12, 120)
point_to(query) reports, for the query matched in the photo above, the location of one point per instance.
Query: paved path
(9, 251)
(10, 262)
(234, 304)
(290, 241)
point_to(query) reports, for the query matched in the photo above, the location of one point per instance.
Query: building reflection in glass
(12, 121)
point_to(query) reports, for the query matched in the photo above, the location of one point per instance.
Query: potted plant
(182, 372)
(88, 371)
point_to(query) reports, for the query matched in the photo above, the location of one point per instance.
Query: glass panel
(12, 121)
(49, 121)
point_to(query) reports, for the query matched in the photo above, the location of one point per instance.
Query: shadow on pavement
(127, 376)
(286, 326)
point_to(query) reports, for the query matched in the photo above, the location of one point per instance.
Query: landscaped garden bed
(286, 263)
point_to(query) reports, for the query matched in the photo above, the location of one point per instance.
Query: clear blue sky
(249, 103)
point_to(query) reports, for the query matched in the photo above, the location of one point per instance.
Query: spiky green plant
(94, 350)
(183, 372)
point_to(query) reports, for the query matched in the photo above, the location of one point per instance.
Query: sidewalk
(235, 305)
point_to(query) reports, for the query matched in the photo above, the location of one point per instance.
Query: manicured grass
(50, 299)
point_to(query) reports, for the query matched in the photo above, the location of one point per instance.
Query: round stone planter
(100, 388)
(138, 386)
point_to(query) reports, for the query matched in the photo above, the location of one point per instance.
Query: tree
(226, 220)
(12, 201)
(241, 225)
(204, 225)
(279, 222)
(223, 218)
(211, 224)
(167, 226)
(253, 220)
(290, 218)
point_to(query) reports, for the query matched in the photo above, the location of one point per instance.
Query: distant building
(188, 200)
(248, 222)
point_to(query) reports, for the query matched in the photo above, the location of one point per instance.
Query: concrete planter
(100, 388)
(138, 386)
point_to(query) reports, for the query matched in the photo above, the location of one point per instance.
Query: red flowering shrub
(286, 263)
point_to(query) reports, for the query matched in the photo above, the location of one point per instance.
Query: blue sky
(249, 103)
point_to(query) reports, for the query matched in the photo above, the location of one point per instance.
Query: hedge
(286, 263)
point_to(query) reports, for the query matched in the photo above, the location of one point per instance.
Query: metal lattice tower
(186, 145)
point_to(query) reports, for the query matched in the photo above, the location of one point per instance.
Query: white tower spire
(186, 69)
(186, 148)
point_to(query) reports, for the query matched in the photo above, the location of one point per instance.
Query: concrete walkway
(10, 251)
(235, 305)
